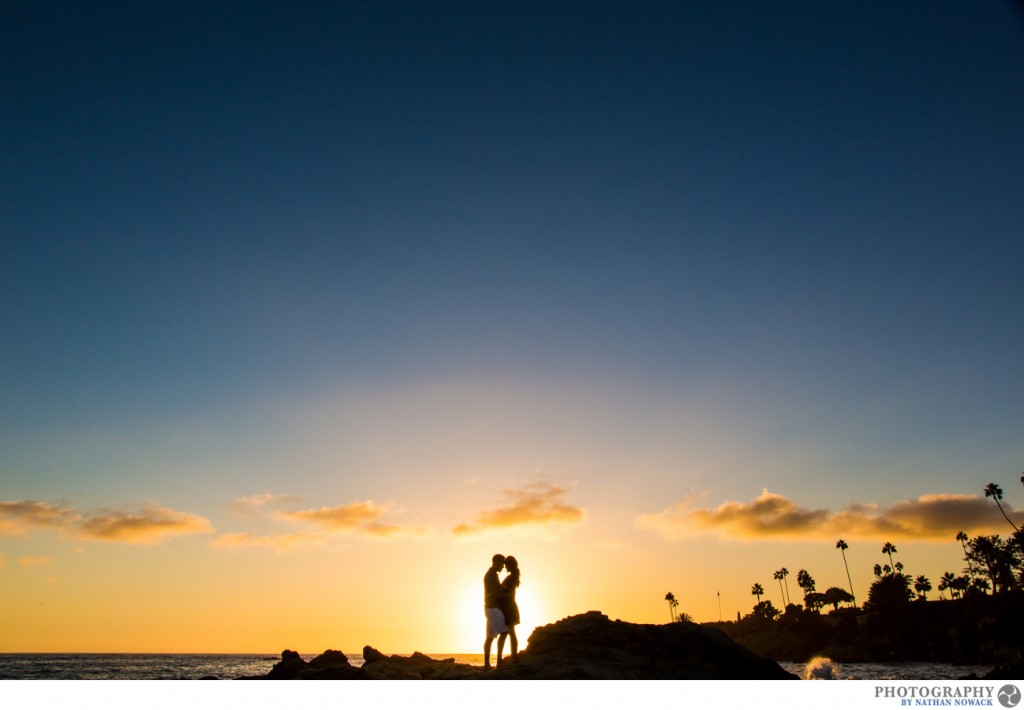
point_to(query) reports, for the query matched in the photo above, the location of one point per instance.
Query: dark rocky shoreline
(979, 630)
(583, 647)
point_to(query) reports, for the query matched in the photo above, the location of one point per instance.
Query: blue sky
(206, 202)
(712, 247)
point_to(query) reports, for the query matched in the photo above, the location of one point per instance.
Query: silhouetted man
(492, 608)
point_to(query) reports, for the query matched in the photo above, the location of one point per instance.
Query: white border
(478, 695)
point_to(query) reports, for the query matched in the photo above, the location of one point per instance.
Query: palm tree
(962, 538)
(672, 604)
(781, 576)
(996, 493)
(890, 593)
(887, 549)
(757, 590)
(946, 583)
(843, 547)
(836, 596)
(878, 570)
(806, 582)
(958, 587)
(778, 578)
(923, 585)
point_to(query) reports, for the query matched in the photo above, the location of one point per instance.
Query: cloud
(537, 505)
(277, 541)
(252, 505)
(359, 517)
(34, 561)
(149, 525)
(16, 517)
(341, 517)
(934, 516)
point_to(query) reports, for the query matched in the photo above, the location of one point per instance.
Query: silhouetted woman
(509, 607)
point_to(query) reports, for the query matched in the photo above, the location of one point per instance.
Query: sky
(308, 309)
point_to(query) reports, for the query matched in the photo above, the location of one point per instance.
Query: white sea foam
(821, 668)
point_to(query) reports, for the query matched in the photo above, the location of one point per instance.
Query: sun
(531, 612)
(472, 625)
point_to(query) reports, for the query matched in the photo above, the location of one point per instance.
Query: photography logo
(1009, 696)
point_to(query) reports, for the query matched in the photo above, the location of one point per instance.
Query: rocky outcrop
(377, 666)
(329, 665)
(1006, 671)
(590, 646)
(586, 646)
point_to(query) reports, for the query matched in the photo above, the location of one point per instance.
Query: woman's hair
(512, 565)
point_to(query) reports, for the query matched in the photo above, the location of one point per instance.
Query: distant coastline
(980, 629)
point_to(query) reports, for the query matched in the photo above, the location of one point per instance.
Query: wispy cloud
(340, 517)
(17, 517)
(935, 516)
(364, 518)
(34, 561)
(254, 504)
(149, 525)
(277, 541)
(537, 506)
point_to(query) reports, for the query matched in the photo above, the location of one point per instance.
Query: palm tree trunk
(1006, 516)
(852, 594)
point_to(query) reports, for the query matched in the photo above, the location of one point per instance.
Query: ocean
(164, 666)
(157, 666)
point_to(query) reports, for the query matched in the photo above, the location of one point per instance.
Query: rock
(1008, 671)
(416, 667)
(585, 647)
(329, 665)
(590, 646)
(288, 667)
(372, 655)
(329, 658)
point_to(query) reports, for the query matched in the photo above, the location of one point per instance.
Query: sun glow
(472, 625)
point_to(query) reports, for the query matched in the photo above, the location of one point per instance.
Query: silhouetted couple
(500, 607)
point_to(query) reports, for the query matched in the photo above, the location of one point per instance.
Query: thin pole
(719, 605)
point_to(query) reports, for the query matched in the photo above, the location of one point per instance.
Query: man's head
(497, 562)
